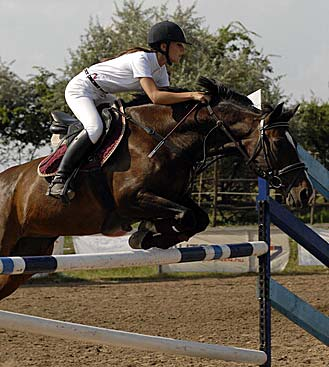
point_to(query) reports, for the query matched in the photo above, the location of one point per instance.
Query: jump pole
(96, 335)
(59, 263)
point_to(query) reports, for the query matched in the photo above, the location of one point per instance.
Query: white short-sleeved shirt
(122, 73)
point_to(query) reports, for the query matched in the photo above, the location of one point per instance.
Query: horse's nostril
(305, 196)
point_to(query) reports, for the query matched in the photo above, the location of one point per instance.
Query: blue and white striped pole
(58, 263)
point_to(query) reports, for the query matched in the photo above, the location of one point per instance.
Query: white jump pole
(96, 335)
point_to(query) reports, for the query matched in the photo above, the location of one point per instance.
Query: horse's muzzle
(300, 197)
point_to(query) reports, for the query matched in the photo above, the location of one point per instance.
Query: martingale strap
(164, 140)
(150, 132)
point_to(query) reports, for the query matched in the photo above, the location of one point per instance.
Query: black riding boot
(80, 147)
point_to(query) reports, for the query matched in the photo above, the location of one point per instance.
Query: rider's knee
(94, 133)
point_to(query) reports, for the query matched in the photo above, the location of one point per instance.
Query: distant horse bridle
(274, 177)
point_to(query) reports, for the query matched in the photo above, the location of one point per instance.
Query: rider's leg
(75, 153)
(85, 110)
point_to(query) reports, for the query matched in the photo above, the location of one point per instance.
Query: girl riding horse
(134, 70)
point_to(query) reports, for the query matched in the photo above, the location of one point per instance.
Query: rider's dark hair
(128, 51)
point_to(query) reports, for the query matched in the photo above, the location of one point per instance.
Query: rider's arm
(163, 97)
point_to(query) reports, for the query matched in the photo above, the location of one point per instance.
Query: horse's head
(263, 139)
(278, 157)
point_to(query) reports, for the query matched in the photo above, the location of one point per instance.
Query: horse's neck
(158, 117)
(232, 126)
(188, 136)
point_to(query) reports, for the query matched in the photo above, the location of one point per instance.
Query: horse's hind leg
(27, 246)
(10, 283)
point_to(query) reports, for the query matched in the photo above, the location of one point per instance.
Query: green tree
(311, 128)
(228, 55)
(25, 108)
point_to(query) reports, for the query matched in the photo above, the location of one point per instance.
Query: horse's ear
(287, 115)
(267, 108)
(276, 113)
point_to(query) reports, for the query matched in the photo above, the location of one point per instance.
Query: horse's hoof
(141, 240)
(147, 225)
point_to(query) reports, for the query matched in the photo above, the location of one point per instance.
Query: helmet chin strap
(166, 53)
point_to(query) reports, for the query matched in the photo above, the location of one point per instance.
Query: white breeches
(82, 98)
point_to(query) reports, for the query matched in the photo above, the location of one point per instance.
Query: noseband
(274, 177)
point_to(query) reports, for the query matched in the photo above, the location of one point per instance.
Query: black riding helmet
(165, 32)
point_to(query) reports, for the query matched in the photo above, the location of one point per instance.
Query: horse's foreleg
(202, 218)
(169, 227)
(171, 222)
(157, 207)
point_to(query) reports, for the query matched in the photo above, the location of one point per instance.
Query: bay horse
(133, 187)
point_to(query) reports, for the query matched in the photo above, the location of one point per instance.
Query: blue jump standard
(301, 233)
(50, 264)
(319, 175)
(299, 312)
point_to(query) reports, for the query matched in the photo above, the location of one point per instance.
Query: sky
(295, 32)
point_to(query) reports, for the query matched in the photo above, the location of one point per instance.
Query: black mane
(220, 92)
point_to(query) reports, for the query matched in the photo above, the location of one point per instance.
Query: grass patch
(68, 245)
(293, 267)
(149, 273)
(142, 272)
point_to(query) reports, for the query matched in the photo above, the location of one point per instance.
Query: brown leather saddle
(66, 127)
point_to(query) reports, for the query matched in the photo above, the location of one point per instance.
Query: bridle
(273, 176)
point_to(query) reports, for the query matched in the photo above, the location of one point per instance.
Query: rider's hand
(201, 97)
